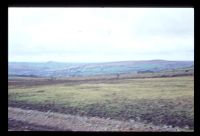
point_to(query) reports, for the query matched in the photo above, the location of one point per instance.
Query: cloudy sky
(100, 34)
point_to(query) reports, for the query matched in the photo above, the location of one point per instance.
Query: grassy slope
(157, 100)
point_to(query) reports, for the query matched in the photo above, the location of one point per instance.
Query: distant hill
(58, 69)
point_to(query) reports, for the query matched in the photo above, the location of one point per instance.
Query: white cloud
(100, 34)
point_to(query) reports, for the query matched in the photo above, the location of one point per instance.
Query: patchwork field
(158, 101)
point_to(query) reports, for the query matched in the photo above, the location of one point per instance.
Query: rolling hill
(60, 69)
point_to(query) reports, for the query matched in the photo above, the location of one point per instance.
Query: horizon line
(50, 61)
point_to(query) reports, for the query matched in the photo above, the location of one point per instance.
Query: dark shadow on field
(178, 112)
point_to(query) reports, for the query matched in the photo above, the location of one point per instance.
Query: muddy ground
(33, 120)
(99, 111)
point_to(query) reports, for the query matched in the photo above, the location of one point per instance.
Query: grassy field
(168, 100)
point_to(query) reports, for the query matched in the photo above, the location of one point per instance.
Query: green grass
(158, 100)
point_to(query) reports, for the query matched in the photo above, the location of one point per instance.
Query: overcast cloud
(100, 34)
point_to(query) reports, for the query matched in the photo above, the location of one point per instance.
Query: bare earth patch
(52, 121)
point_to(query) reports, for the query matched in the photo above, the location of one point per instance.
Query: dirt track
(32, 120)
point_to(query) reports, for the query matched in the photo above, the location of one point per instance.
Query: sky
(100, 34)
